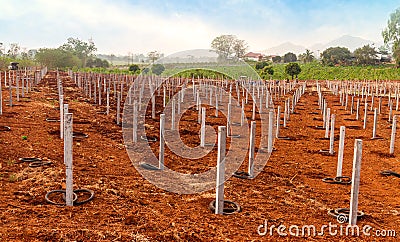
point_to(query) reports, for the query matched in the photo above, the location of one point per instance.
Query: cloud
(137, 26)
(115, 28)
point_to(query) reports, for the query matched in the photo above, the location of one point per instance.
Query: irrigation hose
(149, 167)
(234, 207)
(5, 128)
(57, 191)
(242, 175)
(149, 139)
(40, 163)
(29, 159)
(345, 180)
(79, 135)
(377, 138)
(52, 120)
(76, 192)
(390, 173)
(326, 152)
(83, 190)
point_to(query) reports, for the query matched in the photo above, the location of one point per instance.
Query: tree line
(229, 46)
(73, 53)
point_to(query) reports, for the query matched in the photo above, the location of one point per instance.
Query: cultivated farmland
(283, 181)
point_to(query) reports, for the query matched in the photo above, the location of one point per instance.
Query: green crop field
(317, 71)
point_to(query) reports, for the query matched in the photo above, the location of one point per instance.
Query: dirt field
(126, 207)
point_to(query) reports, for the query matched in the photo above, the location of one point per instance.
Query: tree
(261, 64)
(145, 70)
(265, 69)
(336, 56)
(57, 58)
(276, 59)
(293, 69)
(289, 57)
(80, 48)
(391, 34)
(134, 68)
(157, 69)
(266, 72)
(384, 50)
(365, 55)
(307, 56)
(106, 64)
(153, 56)
(229, 46)
(97, 62)
(239, 48)
(14, 50)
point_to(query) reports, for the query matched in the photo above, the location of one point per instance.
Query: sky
(139, 26)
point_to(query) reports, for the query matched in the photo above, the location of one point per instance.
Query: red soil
(126, 207)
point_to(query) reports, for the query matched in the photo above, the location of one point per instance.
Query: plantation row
(317, 71)
(310, 71)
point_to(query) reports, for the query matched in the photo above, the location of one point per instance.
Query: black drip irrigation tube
(83, 190)
(52, 120)
(79, 135)
(39, 163)
(229, 207)
(345, 180)
(76, 200)
(148, 138)
(48, 195)
(149, 167)
(389, 173)
(353, 127)
(35, 162)
(29, 159)
(326, 152)
(284, 138)
(319, 127)
(242, 175)
(4, 128)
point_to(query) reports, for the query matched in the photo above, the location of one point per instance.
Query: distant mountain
(347, 41)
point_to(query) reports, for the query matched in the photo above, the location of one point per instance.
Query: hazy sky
(122, 26)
